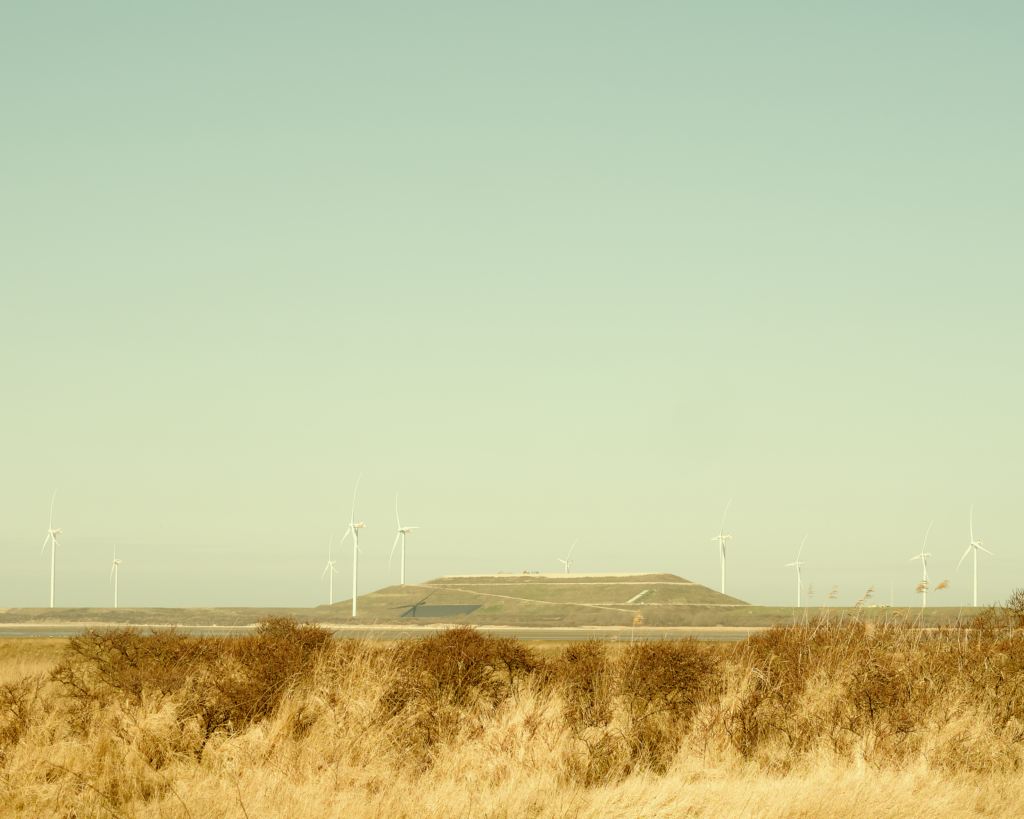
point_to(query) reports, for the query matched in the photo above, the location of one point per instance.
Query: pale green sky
(550, 271)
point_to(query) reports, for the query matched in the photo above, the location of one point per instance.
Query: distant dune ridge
(541, 600)
(525, 600)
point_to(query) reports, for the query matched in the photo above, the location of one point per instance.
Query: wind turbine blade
(972, 523)
(393, 549)
(397, 516)
(55, 497)
(723, 516)
(571, 548)
(986, 551)
(111, 574)
(353, 516)
(926, 535)
(965, 555)
(325, 571)
(347, 531)
(802, 542)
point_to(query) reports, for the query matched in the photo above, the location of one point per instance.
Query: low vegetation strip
(287, 721)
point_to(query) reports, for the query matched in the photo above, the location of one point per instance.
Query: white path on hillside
(603, 606)
(611, 583)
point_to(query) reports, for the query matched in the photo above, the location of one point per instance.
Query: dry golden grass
(22, 657)
(828, 719)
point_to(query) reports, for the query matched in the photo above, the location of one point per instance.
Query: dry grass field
(22, 657)
(838, 717)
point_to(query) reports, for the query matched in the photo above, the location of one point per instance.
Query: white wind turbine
(568, 562)
(974, 544)
(354, 528)
(924, 565)
(721, 537)
(51, 535)
(113, 575)
(330, 568)
(401, 534)
(798, 564)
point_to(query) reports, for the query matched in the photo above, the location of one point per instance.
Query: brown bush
(18, 704)
(584, 672)
(661, 686)
(215, 682)
(443, 684)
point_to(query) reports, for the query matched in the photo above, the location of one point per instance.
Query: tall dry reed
(797, 721)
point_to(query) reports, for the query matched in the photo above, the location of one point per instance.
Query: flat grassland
(24, 657)
(835, 717)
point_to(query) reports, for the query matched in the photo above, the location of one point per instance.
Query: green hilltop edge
(504, 600)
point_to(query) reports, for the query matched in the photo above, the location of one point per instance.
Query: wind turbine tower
(923, 556)
(402, 532)
(51, 535)
(568, 562)
(113, 575)
(798, 564)
(721, 537)
(975, 545)
(330, 568)
(354, 528)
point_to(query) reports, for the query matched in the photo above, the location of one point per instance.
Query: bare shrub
(661, 685)
(281, 655)
(584, 672)
(584, 675)
(18, 705)
(443, 685)
(215, 682)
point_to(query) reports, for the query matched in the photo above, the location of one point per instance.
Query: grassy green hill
(546, 600)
